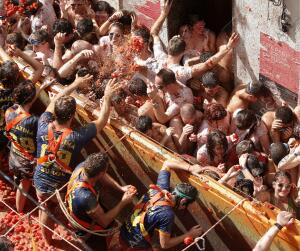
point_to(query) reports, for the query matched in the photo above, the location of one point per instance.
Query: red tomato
(188, 240)
(237, 167)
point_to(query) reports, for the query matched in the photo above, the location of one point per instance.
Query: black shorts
(20, 167)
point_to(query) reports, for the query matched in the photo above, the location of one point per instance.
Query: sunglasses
(281, 185)
(112, 34)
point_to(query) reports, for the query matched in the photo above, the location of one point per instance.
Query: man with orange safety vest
(155, 211)
(58, 145)
(83, 199)
(21, 128)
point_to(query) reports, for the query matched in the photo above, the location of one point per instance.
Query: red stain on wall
(147, 12)
(279, 62)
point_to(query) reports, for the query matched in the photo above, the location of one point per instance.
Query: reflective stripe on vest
(142, 208)
(18, 119)
(73, 184)
(53, 147)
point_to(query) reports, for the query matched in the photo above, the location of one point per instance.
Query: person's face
(39, 47)
(188, 120)
(219, 150)
(115, 36)
(282, 187)
(198, 27)
(142, 46)
(185, 32)
(212, 91)
(101, 17)
(158, 82)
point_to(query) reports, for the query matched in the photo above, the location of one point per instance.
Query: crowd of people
(181, 95)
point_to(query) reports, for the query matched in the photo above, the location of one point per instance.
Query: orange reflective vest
(18, 119)
(73, 184)
(53, 147)
(161, 198)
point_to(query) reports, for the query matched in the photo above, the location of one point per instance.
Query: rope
(106, 232)
(213, 226)
(70, 243)
(38, 205)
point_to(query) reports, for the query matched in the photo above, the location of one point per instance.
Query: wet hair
(103, 6)
(119, 96)
(24, 93)
(210, 79)
(137, 87)
(245, 146)
(84, 26)
(282, 174)
(215, 138)
(118, 25)
(167, 76)
(212, 174)
(244, 119)
(16, 39)
(296, 131)
(205, 56)
(126, 18)
(143, 124)
(9, 74)
(62, 25)
(285, 114)
(64, 109)
(95, 164)
(278, 151)
(244, 186)
(39, 36)
(5, 244)
(185, 191)
(254, 88)
(215, 112)
(194, 18)
(254, 166)
(142, 32)
(176, 46)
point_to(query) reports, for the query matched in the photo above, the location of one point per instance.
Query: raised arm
(156, 27)
(69, 67)
(110, 89)
(199, 69)
(36, 65)
(58, 50)
(290, 161)
(181, 165)
(105, 26)
(283, 219)
(68, 90)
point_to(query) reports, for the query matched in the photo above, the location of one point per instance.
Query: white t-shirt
(45, 16)
(183, 73)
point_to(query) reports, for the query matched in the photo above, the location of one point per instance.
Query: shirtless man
(202, 39)
(156, 131)
(280, 123)
(176, 50)
(215, 92)
(242, 98)
(191, 119)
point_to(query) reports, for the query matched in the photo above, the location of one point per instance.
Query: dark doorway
(216, 14)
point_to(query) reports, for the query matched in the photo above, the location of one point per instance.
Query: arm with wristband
(283, 219)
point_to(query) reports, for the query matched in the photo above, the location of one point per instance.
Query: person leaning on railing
(283, 219)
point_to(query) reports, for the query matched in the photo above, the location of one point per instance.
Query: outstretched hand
(84, 80)
(233, 40)
(167, 7)
(285, 218)
(111, 87)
